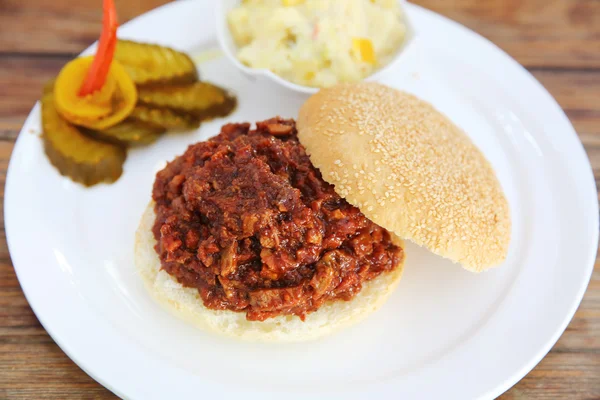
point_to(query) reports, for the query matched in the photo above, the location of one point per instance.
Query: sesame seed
(424, 177)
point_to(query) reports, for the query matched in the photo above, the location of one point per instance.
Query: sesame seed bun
(186, 303)
(409, 169)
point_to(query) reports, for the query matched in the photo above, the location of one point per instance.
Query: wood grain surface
(557, 40)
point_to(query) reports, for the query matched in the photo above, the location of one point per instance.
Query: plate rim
(517, 376)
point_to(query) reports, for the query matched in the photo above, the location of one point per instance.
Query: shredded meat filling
(248, 220)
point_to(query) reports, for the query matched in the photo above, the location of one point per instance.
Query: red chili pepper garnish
(96, 76)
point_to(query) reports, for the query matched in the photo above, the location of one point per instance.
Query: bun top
(409, 169)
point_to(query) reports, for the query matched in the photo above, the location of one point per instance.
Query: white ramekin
(229, 48)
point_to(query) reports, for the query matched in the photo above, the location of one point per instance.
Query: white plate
(445, 333)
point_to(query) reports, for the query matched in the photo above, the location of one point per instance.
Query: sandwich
(292, 230)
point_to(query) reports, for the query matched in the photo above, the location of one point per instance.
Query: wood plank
(59, 26)
(583, 333)
(44, 371)
(560, 376)
(578, 92)
(556, 33)
(538, 33)
(21, 80)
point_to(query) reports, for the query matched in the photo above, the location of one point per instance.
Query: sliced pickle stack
(150, 64)
(165, 118)
(76, 155)
(200, 99)
(130, 132)
(170, 98)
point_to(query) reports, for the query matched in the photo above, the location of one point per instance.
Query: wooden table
(557, 40)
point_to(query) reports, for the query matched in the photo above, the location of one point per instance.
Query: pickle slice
(129, 133)
(165, 118)
(153, 64)
(201, 99)
(76, 155)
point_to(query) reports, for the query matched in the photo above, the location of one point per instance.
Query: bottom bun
(187, 304)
